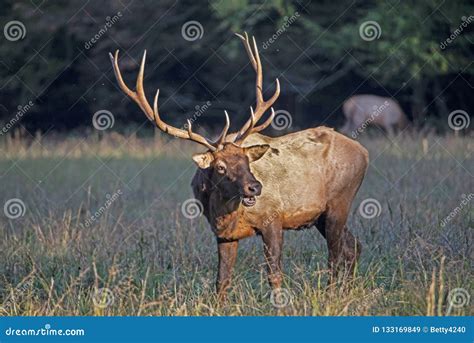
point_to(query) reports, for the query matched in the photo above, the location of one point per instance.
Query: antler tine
(241, 137)
(190, 135)
(254, 129)
(197, 138)
(245, 40)
(221, 138)
(265, 106)
(262, 106)
(118, 76)
(133, 95)
(255, 61)
(139, 97)
(144, 105)
(266, 123)
(259, 80)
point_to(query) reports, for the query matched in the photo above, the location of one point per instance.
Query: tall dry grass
(141, 256)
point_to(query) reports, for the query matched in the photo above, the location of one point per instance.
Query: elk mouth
(249, 201)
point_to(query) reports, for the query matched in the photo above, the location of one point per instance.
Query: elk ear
(203, 160)
(256, 152)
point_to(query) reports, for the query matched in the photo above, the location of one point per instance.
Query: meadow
(98, 228)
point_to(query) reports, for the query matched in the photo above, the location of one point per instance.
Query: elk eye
(220, 168)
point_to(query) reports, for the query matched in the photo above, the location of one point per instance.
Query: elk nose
(254, 188)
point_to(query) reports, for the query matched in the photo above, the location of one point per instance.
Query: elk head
(228, 170)
(226, 162)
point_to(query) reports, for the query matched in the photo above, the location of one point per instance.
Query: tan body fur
(309, 177)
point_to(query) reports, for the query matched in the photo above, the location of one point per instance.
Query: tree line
(54, 59)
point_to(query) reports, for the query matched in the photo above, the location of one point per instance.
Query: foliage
(320, 58)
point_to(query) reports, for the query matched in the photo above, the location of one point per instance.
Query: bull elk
(364, 110)
(251, 184)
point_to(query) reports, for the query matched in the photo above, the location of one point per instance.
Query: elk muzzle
(251, 191)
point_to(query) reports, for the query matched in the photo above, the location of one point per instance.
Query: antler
(262, 106)
(252, 129)
(139, 97)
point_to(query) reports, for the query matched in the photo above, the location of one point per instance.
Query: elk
(251, 184)
(363, 110)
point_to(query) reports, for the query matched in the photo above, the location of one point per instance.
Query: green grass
(155, 261)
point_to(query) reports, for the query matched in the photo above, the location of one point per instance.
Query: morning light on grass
(237, 171)
(101, 231)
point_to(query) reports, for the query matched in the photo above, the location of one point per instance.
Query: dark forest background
(319, 58)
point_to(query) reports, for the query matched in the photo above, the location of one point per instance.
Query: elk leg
(272, 246)
(227, 256)
(343, 247)
(351, 248)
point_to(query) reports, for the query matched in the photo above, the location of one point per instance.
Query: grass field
(139, 255)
